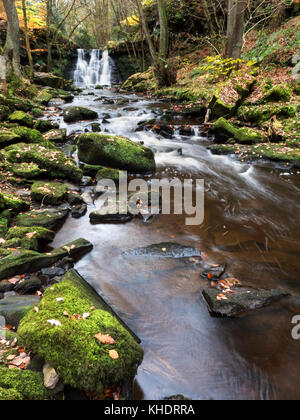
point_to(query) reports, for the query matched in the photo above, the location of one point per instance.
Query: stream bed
(252, 223)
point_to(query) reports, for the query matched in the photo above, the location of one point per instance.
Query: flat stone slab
(166, 250)
(14, 308)
(240, 300)
(49, 219)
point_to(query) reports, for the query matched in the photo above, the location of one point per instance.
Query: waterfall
(92, 68)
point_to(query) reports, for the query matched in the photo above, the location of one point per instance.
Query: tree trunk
(163, 70)
(49, 41)
(235, 28)
(13, 35)
(27, 39)
(147, 34)
(239, 28)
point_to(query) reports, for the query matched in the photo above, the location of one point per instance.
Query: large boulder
(8, 137)
(225, 131)
(78, 113)
(21, 118)
(77, 334)
(54, 162)
(48, 79)
(115, 152)
(48, 219)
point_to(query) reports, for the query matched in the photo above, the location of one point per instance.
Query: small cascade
(93, 68)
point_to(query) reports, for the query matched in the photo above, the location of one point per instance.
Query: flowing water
(252, 223)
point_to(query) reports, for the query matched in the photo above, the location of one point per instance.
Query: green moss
(45, 125)
(44, 97)
(224, 130)
(37, 112)
(53, 161)
(32, 238)
(79, 359)
(21, 118)
(116, 152)
(10, 395)
(56, 136)
(48, 193)
(108, 173)
(26, 170)
(8, 137)
(4, 112)
(278, 93)
(3, 226)
(78, 113)
(49, 219)
(13, 203)
(220, 109)
(25, 383)
(258, 114)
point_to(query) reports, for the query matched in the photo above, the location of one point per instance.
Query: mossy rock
(21, 118)
(44, 97)
(71, 348)
(220, 109)
(109, 173)
(56, 135)
(49, 79)
(26, 261)
(10, 395)
(49, 219)
(62, 94)
(116, 152)
(26, 170)
(15, 103)
(37, 112)
(29, 135)
(259, 114)
(8, 137)
(23, 384)
(33, 238)
(91, 170)
(51, 193)
(3, 226)
(4, 112)
(225, 131)
(53, 161)
(13, 203)
(78, 113)
(278, 93)
(45, 125)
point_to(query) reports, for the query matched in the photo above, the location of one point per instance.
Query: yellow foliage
(36, 13)
(131, 21)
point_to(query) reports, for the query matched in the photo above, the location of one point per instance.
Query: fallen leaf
(54, 322)
(105, 339)
(113, 354)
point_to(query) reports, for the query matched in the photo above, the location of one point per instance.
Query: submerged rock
(68, 344)
(14, 308)
(241, 300)
(78, 113)
(166, 250)
(115, 152)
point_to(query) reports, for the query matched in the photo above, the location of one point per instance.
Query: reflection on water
(252, 222)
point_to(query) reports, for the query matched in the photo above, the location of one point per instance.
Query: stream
(252, 223)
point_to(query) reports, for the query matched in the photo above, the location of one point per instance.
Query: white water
(92, 71)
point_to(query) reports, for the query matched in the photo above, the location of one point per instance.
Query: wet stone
(166, 250)
(241, 300)
(28, 286)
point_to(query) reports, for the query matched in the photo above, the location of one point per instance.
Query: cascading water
(93, 69)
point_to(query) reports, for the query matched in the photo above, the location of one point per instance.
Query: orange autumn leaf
(105, 339)
(114, 354)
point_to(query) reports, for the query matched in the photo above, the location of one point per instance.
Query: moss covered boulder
(258, 114)
(78, 113)
(28, 135)
(54, 162)
(56, 135)
(278, 93)
(48, 219)
(51, 193)
(225, 131)
(13, 203)
(21, 118)
(31, 238)
(108, 173)
(220, 109)
(44, 97)
(8, 137)
(45, 125)
(18, 384)
(26, 170)
(69, 344)
(115, 152)
(49, 79)
(27, 261)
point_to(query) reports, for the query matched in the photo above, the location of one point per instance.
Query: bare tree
(236, 27)
(27, 39)
(12, 47)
